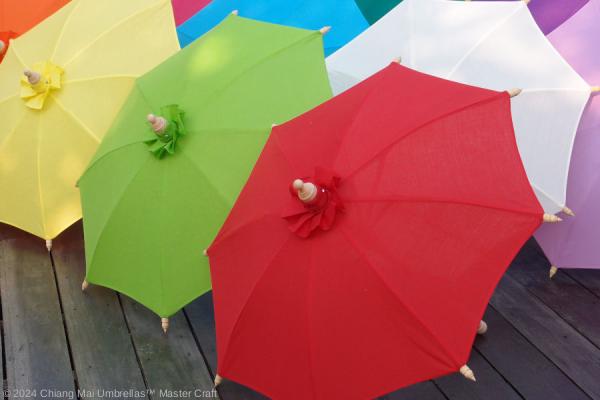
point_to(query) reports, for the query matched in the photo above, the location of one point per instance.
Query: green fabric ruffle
(166, 142)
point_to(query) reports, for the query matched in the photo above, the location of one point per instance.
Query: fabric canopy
(574, 243)
(381, 281)
(344, 17)
(496, 45)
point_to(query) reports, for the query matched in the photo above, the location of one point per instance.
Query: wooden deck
(543, 340)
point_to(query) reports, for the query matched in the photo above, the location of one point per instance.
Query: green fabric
(166, 142)
(373, 10)
(147, 220)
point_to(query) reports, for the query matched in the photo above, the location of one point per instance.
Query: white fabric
(496, 45)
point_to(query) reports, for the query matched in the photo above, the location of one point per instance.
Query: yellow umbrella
(80, 64)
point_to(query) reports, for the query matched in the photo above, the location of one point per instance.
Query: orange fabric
(21, 15)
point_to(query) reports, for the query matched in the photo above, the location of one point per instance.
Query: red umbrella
(373, 275)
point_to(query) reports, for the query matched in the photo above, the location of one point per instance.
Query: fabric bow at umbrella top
(435, 203)
(343, 16)
(80, 64)
(19, 16)
(496, 45)
(184, 9)
(574, 244)
(218, 97)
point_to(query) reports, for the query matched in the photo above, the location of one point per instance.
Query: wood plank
(37, 356)
(577, 357)
(102, 351)
(201, 315)
(421, 391)
(588, 278)
(576, 305)
(171, 363)
(523, 365)
(489, 386)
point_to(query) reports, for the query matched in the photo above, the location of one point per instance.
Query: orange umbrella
(19, 16)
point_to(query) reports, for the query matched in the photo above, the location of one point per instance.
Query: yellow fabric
(35, 94)
(89, 54)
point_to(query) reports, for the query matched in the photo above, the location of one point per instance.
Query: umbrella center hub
(167, 128)
(38, 83)
(314, 204)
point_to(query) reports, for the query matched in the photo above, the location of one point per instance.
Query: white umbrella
(496, 45)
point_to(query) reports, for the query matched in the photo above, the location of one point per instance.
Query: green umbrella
(155, 195)
(373, 10)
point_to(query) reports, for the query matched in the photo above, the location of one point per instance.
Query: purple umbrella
(575, 243)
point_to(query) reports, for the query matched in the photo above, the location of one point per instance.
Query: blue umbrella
(344, 16)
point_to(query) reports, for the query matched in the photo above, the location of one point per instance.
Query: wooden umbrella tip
(218, 380)
(164, 322)
(550, 218)
(235, 12)
(397, 60)
(467, 373)
(325, 29)
(514, 92)
(483, 327)
(595, 89)
(84, 285)
(2, 45)
(553, 271)
(273, 125)
(205, 253)
(568, 211)
(49, 245)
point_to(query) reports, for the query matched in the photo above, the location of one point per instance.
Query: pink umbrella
(574, 242)
(184, 9)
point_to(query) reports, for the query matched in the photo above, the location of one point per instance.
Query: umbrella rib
(434, 200)
(95, 78)
(74, 118)
(62, 29)
(237, 320)
(518, 8)
(111, 29)
(399, 302)
(39, 181)
(495, 97)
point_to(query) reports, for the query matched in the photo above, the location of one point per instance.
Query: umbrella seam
(446, 201)
(75, 119)
(399, 301)
(117, 25)
(95, 78)
(495, 97)
(93, 255)
(308, 322)
(225, 235)
(39, 183)
(62, 29)
(227, 355)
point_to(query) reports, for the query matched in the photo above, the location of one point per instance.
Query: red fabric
(436, 204)
(5, 37)
(184, 9)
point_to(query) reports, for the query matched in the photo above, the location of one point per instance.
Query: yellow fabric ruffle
(35, 95)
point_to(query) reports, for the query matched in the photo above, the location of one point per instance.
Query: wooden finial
(218, 380)
(306, 191)
(553, 271)
(526, 1)
(550, 218)
(205, 253)
(235, 12)
(514, 92)
(397, 60)
(568, 211)
(482, 328)
(49, 245)
(325, 29)
(84, 285)
(273, 126)
(159, 124)
(32, 76)
(2, 46)
(164, 322)
(467, 373)
(595, 89)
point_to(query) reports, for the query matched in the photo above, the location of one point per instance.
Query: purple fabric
(575, 242)
(550, 14)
